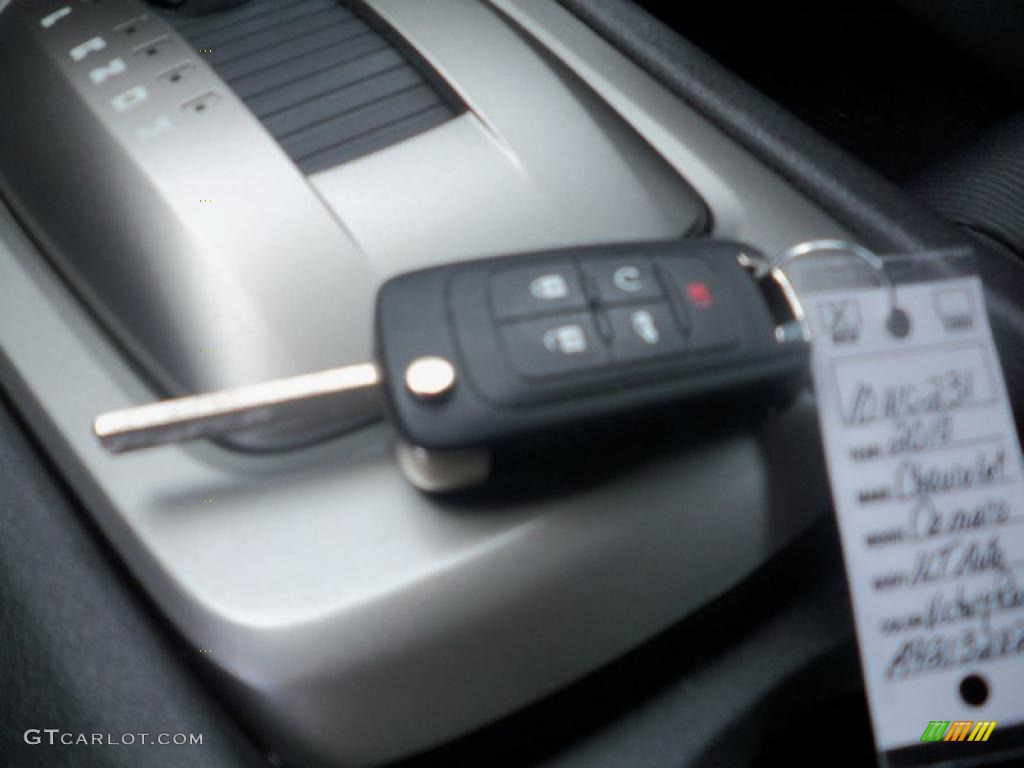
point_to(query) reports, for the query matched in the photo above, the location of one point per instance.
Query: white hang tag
(925, 468)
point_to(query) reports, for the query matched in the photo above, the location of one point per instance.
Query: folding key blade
(478, 355)
(348, 395)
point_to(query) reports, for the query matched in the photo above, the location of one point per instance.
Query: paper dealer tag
(925, 468)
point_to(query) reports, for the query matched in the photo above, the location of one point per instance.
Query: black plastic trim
(881, 215)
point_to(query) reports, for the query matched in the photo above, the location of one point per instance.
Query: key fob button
(622, 281)
(555, 345)
(645, 331)
(704, 303)
(536, 290)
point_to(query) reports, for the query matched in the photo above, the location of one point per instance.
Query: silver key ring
(898, 321)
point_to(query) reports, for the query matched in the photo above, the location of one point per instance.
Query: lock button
(537, 290)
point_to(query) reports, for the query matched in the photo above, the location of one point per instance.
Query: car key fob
(546, 341)
(478, 355)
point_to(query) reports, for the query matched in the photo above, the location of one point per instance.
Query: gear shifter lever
(199, 7)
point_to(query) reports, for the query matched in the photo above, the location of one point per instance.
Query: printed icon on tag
(95, 45)
(566, 340)
(48, 21)
(549, 287)
(628, 279)
(955, 309)
(842, 320)
(645, 327)
(130, 98)
(958, 730)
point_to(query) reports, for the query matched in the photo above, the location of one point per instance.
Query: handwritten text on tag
(925, 468)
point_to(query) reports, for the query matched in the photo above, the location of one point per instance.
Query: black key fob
(484, 353)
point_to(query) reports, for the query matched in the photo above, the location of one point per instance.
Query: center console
(216, 202)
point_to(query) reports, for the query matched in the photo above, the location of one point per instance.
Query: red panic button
(699, 295)
(704, 301)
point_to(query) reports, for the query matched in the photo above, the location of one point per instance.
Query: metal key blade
(348, 394)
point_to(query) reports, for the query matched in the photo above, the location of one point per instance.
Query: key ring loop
(898, 321)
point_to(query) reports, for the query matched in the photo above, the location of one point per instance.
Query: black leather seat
(981, 189)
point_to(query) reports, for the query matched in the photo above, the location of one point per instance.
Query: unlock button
(562, 344)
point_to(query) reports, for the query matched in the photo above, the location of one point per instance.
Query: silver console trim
(233, 268)
(170, 205)
(527, 168)
(354, 620)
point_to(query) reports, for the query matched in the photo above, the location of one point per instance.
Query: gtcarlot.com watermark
(55, 736)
